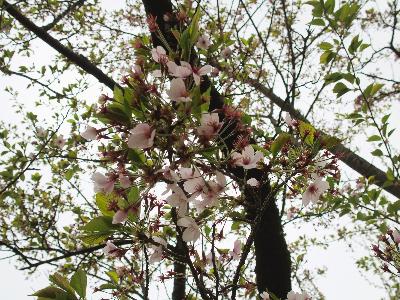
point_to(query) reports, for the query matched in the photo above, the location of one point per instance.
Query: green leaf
(62, 283)
(103, 202)
(118, 94)
(307, 132)
(79, 283)
(340, 89)
(318, 22)
(101, 224)
(279, 142)
(95, 238)
(325, 46)
(374, 138)
(377, 152)
(49, 292)
(133, 195)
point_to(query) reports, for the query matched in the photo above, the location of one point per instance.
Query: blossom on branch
(142, 137)
(248, 159)
(314, 191)
(192, 231)
(177, 91)
(102, 183)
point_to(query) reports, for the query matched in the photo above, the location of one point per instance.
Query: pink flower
(142, 137)
(247, 159)
(60, 141)
(41, 132)
(189, 173)
(192, 231)
(111, 250)
(169, 174)
(203, 42)
(178, 199)
(253, 182)
(226, 53)
(157, 255)
(194, 186)
(197, 73)
(288, 120)
(120, 216)
(264, 295)
(297, 296)
(314, 191)
(124, 181)
(237, 250)
(90, 133)
(182, 71)
(210, 125)
(396, 236)
(159, 54)
(177, 91)
(102, 183)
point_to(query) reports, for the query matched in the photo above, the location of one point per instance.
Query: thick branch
(347, 156)
(75, 58)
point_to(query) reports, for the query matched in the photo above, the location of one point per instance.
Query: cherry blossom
(90, 133)
(288, 120)
(253, 182)
(210, 125)
(247, 159)
(41, 132)
(203, 42)
(142, 136)
(159, 54)
(237, 250)
(194, 186)
(178, 199)
(314, 191)
(157, 255)
(297, 296)
(60, 141)
(169, 174)
(226, 53)
(102, 183)
(264, 295)
(110, 249)
(192, 231)
(120, 216)
(182, 71)
(124, 180)
(197, 73)
(396, 236)
(189, 173)
(177, 91)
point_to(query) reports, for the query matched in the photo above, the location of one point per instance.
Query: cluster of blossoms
(290, 296)
(388, 250)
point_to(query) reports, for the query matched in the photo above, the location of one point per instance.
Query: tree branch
(75, 58)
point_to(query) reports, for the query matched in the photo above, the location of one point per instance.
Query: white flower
(159, 54)
(90, 133)
(41, 132)
(182, 71)
(297, 296)
(396, 236)
(124, 181)
(142, 137)
(226, 53)
(178, 199)
(247, 159)
(110, 249)
(189, 173)
(264, 295)
(102, 183)
(197, 73)
(253, 182)
(60, 141)
(192, 231)
(169, 174)
(210, 125)
(157, 255)
(288, 120)
(237, 250)
(177, 91)
(203, 42)
(314, 191)
(194, 186)
(120, 216)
